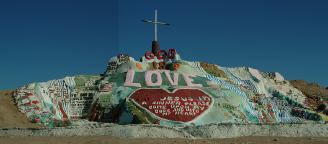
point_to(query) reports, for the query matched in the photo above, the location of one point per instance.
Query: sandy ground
(110, 140)
(10, 117)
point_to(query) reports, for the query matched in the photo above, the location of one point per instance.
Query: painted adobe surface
(180, 93)
(181, 105)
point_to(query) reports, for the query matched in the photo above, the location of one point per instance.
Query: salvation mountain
(161, 88)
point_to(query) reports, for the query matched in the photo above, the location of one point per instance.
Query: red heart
(182, 105)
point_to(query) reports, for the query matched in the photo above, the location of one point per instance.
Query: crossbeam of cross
(155, 22)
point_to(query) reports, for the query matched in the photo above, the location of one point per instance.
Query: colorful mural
(167, 91)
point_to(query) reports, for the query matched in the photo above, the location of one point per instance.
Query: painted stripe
(249, 107)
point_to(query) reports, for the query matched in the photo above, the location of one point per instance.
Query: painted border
(154, 115)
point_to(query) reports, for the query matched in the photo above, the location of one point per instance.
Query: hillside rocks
(212, 69)
(170, 92)
(316, 95)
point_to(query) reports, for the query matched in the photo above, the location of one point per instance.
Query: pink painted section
(188, 80)
(129, 79)
(148, 76)
(279, 77)
(174, 81)
(255, 73)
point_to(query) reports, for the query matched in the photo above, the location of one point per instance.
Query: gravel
(193, 132)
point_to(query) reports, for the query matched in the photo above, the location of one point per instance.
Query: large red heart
(182, 105)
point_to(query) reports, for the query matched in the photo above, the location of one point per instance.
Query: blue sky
(44, 40)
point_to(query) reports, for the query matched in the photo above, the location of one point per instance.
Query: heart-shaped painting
(182, 105)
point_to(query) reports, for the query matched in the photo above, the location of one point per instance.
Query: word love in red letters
(148, 75)
(182, 105)
(161, 54)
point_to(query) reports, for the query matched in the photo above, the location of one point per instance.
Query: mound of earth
(167, 91)
(10, 117)
(316, 95)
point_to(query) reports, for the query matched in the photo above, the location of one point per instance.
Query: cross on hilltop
(155, 43)
(155, 22)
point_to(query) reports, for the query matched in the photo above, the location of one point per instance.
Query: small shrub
(212, 69)
(325, 112)
(321, 107)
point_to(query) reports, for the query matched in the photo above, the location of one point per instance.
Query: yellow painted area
(324, 117)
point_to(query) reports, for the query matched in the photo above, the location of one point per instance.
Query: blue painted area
(249, 107)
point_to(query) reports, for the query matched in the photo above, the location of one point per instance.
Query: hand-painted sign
(182, 105)
(148, 75)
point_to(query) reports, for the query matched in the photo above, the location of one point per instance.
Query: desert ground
(106, 139)
(11, 118)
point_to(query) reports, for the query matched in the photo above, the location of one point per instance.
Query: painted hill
(167, 91)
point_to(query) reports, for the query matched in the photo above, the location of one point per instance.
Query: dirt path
(106, 139)
(10, 117)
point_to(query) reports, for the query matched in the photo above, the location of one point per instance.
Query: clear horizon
(45, 40)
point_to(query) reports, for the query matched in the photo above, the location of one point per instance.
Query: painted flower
(176, 66)
(139, 66)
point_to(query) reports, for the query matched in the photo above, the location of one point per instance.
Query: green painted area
(117, 78)
(239, 99)
(287, 99)
(139, 115)
(255, 79)
(200, 80)
(80, 80)
(139, 77)
(105, 99)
